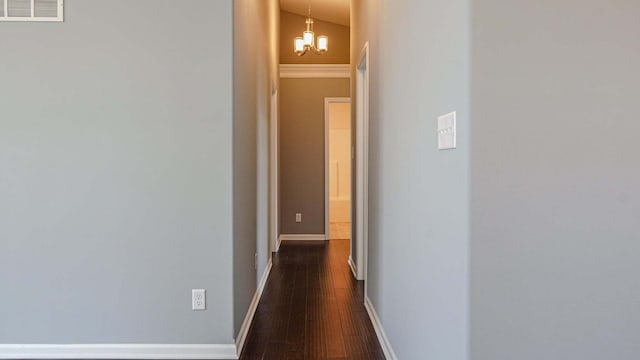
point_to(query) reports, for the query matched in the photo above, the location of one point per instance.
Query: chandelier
(307, 42)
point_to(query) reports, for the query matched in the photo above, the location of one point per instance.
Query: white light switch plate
(447, 131)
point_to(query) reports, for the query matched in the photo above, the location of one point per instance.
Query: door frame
(327, 191)
(360, 222)
(274, 207)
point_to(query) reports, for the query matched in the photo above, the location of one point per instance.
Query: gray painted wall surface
(302, 151)
(245, 138)
(555, 180)
(419, 197)
(115, 155)
(255, 75)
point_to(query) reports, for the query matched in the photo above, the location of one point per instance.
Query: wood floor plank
(275, 351)
(334, 334)
(312, 307)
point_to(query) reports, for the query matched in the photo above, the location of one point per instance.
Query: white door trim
(362, 166)
(327, 190)
(274, 230)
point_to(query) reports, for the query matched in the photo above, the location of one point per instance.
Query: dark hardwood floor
(312, 307)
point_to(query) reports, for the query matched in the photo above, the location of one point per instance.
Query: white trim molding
(361, 179)
(377, 326)
(315, 71)
(246, 324)
(303, 237)
(118, 351)
(278, 243)
(274, 243)
(353, 267)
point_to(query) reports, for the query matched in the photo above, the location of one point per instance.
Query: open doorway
(338, 168)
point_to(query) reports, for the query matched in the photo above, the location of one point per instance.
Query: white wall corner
(118, 351)
(377, 325)
(246, 324)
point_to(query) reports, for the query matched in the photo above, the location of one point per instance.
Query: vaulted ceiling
(335, 11)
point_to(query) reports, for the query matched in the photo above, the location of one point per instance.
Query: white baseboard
(352, 266)
(377, 325)
(118, 351)
(246, 324)
(140, 351)
(303, 237)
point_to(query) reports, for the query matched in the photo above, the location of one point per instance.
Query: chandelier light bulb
(298, 44)
(308, 37)
(323, 43)
(301, 45)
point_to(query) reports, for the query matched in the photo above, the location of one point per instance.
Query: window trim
(33, 17)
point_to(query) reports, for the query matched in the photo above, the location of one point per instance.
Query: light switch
(447, 131)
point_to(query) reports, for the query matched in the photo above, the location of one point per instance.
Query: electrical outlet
(255, 262)
(198, 299)
(447, 131)
(298, 217)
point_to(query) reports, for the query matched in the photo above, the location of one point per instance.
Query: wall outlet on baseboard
(298, 217)
(198, 299)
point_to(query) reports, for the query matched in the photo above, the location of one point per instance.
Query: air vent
(31, 10)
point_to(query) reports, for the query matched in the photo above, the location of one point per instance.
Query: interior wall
(418, 196)
(292, 26)
(255, 77)
(555, 252)
(115, 155)
(265, 248)
(302, 184)
(339, 162)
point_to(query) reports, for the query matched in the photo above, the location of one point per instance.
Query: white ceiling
(335, 11)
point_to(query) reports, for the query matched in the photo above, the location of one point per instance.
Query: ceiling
(335, 11)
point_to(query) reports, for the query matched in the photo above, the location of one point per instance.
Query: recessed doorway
(338, 168)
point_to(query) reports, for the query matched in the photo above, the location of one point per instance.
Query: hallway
(312, 307)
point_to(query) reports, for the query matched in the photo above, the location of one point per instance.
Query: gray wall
(555, 180)
(292, 26)
(302, 151)
(115, 155)
(419, 197)
(255, 75)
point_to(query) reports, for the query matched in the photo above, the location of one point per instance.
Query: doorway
(338, 168)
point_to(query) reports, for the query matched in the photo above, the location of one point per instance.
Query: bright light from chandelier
(302, 45)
